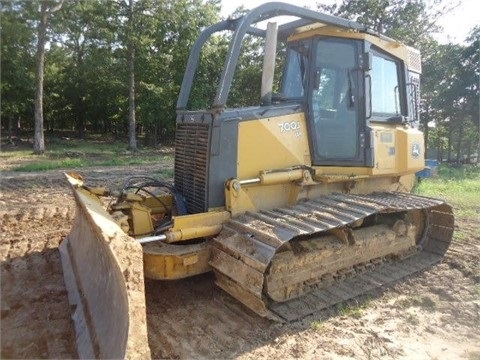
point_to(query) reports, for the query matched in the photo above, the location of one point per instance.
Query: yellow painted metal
(398, 151)
(391, 46)
(279, 177)
(140, 218)
(282, 175)
(410, 146)
(187, 227)
(177, 257)
(272, 143)
(164, 205)
(257, 196)
(175, 261)
(103, 273)
(385, 151)
(77, 183)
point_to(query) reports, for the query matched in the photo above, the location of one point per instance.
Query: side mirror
(365, 61)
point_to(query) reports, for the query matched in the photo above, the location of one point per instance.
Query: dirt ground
(431, 315)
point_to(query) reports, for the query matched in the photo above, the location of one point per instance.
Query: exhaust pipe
(269, 64)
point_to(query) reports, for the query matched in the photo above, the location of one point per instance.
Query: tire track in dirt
(36, 213)
(192, 318)
(35, 314)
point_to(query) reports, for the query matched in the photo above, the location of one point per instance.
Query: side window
(295, 74)
(385, 86)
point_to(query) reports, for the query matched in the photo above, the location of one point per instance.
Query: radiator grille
(191, 164)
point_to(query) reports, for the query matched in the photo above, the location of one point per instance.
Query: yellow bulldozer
(296, 204)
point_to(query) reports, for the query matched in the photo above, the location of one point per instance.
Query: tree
(18, 66)
(85, 84)
(131, 79)
(46, 9)
(165, 34)
(452, 103)
(79, 30)
(471, 74)
(440, 65)
(411, 21)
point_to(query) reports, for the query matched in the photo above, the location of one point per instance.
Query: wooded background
(115, 67)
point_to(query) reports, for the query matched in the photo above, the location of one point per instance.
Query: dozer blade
(287, 263)
(103, 273)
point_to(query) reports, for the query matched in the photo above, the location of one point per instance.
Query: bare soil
(430, 315)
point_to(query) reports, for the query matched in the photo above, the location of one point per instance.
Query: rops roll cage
(242, 26)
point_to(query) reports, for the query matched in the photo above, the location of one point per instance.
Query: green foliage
(451, 73)
(167, 39)
(458, 186)
(64, 154)
(86, 69)
(17, 66)
(86, 77)
(424, 302)
(51, 165)
(317, 325)
(208, 73)
(409, 21)
(68, 163)
(354, 310)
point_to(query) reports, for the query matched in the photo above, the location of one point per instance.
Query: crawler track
(288, 263)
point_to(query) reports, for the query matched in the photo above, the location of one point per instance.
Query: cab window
(385, 86)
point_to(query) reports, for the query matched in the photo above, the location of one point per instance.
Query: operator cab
(346, 85)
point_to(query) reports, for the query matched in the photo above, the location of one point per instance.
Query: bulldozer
(296, 203)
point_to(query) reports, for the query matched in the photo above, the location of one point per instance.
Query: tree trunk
(131, 85)
(478, 134)
(39, 141)
(469, 152)
(10, 126)
(155, 137)
(439, 149)
(80, 117)
(459, 145)
(449, 146)
(80, 88)
(38, 138)
(425, 137)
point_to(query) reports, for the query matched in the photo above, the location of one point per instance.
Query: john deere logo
(416, 150)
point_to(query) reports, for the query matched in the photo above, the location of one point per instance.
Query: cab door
(336, 103)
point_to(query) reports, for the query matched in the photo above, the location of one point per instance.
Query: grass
(355, 311)
(412, 319)
(50, 165)
(458, 186)
(477, 290)
(317, 325)
(64, 153)
(423, 302)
